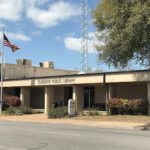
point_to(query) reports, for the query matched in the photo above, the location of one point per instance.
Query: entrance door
(67, 95)
(89, 97)
(17, 92)
(37, 97)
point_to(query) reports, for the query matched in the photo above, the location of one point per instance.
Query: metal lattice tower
(84, 37)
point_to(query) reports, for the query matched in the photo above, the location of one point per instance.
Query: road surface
(38, 136)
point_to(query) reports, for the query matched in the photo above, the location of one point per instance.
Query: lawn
(120, 118)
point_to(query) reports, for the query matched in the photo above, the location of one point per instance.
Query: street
(39, 136)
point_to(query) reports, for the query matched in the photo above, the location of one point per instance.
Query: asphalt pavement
(40, 136)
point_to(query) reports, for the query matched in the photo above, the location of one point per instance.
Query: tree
(124, 27)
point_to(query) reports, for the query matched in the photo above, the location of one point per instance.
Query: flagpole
(2, 59)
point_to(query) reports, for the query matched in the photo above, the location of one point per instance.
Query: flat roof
(80, 74)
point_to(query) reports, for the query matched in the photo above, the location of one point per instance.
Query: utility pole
(2, 59)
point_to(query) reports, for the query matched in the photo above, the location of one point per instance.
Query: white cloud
(73, 43)
(56, 13)
(36, 33)
(11, 9)
(16, 36)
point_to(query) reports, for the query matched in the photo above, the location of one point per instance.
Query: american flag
(8, 44)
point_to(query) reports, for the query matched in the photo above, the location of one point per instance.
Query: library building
(43, 86)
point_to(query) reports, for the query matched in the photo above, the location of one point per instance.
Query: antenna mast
(84, 37)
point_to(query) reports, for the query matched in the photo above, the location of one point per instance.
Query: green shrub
(25, 109)
(92, 112)
(81, 113)
(11, 110)
(18, 110)
(136, 106)
(58, 112)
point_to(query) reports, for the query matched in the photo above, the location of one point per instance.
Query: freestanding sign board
(71, 107)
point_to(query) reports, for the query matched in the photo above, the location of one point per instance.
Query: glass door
(89, 97)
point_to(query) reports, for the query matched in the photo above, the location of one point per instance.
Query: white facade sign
(71, 107)
(56, 81)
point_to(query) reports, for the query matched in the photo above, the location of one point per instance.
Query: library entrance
(89, 97)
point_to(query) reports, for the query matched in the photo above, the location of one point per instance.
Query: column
(49, 98)
(109, 94)
(78, 97)
(108, 91)
(148, 97)
(25, 96)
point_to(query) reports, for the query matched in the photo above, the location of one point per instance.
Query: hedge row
(58, 112)
(127, 106)
(20, 110)
(11, 101)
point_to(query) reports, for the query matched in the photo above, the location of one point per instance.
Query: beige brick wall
(14, 71)
(59, 94)
(25, 96)
(130, 90)
(100, 94)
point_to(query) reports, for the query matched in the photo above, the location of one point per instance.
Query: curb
(84, 124)
(142, 128)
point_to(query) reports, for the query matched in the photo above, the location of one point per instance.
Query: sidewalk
(41, 118)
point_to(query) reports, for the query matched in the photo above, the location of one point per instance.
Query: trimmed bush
(25, 110)
(18, 110)
(11, 101)
(58, 112)
(11, 110)
(92, 112)
(125, 106)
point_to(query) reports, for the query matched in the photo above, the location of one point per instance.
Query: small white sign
(71, 107)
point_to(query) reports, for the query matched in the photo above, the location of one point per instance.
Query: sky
(48, 30)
